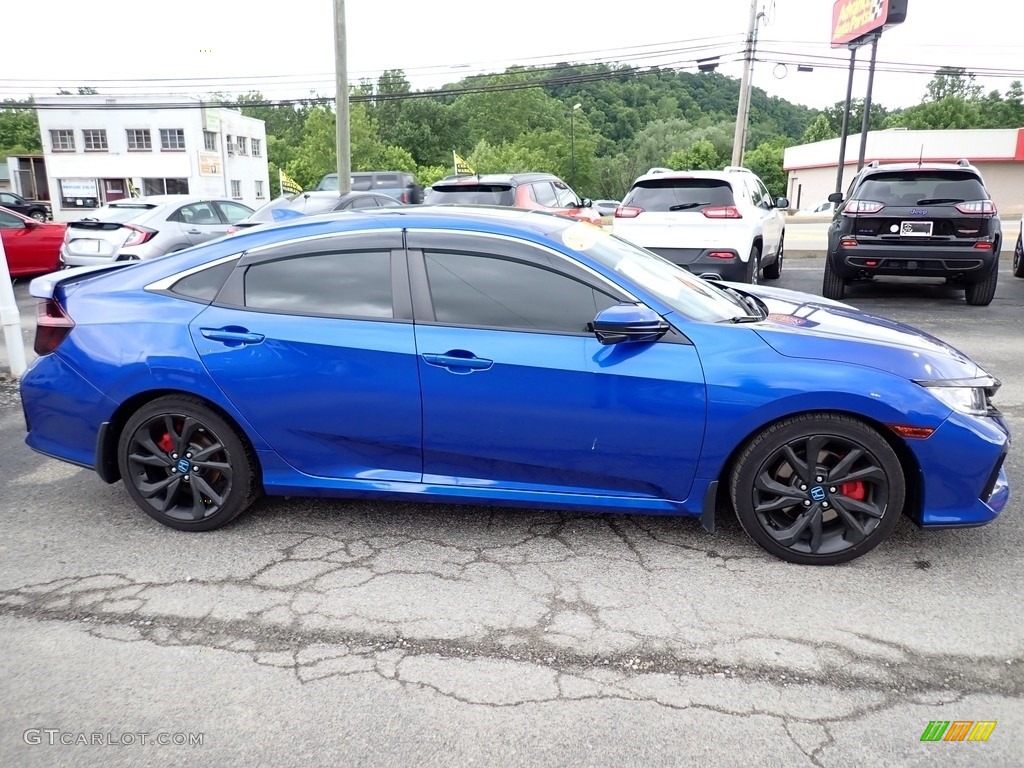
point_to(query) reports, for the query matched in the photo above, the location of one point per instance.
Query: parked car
(717, 224)
(31, 208)
(397, 184)
(32, 247)
(1018, 252)
(504, 357)
(824, 208)
(533, 191)
(146, 227)
(310, 203)
(606, 207)
(931, 220)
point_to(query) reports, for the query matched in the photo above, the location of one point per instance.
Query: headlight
(970, 396)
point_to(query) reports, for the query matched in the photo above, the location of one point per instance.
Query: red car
(32, 247)
(538, 191)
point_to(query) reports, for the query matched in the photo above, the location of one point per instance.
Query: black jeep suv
(921, 220)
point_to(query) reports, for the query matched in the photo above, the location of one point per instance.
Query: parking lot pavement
(322, 631)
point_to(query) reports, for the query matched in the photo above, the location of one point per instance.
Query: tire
(774, 270)
(158, 478)
(38, 215)
(753, 266)
(1018, 258)
(832, 285)
(788, 511)
(981, 294)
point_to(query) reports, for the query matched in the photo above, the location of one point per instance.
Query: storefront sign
(71, 188)
(209, 164)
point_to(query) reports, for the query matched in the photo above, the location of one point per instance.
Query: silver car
(147, 227)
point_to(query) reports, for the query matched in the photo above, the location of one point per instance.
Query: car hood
(807, 326)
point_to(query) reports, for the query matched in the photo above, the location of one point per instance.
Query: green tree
(504, 158)
(820, 129)
(699, 156)
(19, 128)
(947, 112)
(952, 82)
(765, 160)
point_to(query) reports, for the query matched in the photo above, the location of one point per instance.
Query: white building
(102, 148)
(997, 153)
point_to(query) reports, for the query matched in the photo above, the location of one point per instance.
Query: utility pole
(845, 130)
(341, 100)
(739, 139)
(866, 120)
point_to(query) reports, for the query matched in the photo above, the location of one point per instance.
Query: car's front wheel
(185, 465)
(1018, 258)
(818, 489)
(38, 215)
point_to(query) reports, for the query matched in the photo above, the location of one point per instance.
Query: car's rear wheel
(1018, 258)
(185, 465)
(753, 266)
(818, 489)
(832, 285)
(774, 270)
(981, 294)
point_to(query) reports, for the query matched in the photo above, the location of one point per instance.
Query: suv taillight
(138, 235)
(53, 324)
(627, 212)
(862, 206)
(722, 212)
(978, 207)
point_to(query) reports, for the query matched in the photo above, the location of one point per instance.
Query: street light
(572, 142)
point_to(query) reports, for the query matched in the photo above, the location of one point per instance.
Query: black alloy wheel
(1018, 258)
(774, 270)
(185, 466)
(818, 489)
(754, 266)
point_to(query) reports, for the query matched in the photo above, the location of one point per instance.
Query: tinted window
(197, 213)
(204, 285)
(544, 193)
(688, 194)
(363, 183)
(329, 182)
(353, 284)
(234, 212)
(474, 194)
(363, 202)
(490, 292)
(387, 181)
(566, 197)
(913, 187)
(7, 221)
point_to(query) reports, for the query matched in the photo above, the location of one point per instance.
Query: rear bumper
(700, 262)
(965, 263)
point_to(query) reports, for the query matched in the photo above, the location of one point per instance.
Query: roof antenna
(920, 159)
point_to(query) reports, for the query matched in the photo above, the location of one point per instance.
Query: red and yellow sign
(852, 19)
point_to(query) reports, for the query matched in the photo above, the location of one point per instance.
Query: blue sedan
(504, 357)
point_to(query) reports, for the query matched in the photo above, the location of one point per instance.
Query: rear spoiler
(43, 287)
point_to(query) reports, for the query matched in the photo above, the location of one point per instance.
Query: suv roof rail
(873, 164)
(736, 169)
(963, 162)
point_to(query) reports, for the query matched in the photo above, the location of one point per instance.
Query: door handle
(458, 361)
(231, 337)
(193, 231)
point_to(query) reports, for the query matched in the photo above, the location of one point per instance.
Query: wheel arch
(110, 433)
(912, 506)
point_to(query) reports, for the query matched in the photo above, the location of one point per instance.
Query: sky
(287, 50)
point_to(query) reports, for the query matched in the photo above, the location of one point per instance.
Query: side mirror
(782, 202)
(586, 202)
(835, 197)
(31, 224)
(631, 323)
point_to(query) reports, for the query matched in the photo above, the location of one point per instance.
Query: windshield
(684, 292)
(473, 194)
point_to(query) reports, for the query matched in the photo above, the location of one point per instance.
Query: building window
(94, 140)
(240, 142)
(172, 139)
(62, 141)
(236, 189)
(165, 186)
(259, 188)
(231, 146)
(257, 148)
(139, 139)
(209, 141)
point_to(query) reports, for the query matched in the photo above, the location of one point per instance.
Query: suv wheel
(981, 294)
(832, 286)
(774, 270)
(1018, 258)
(754, 266)
(38, 215)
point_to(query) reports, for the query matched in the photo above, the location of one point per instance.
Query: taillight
(53, 324)
(984, 245)
(725, 255)
(627, 212)
(138, 235)
(722, 212)
(862, 206)
(848, 243)
(978, 207)
(405, 197)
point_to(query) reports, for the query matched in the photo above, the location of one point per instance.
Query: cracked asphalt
(334, 632)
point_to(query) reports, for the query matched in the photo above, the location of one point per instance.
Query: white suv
(717, 224)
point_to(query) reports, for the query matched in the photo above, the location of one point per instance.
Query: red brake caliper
(854, 490)
(166, 444)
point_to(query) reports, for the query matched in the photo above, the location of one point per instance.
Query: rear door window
(680, 194)
(913, 187)
(544, 194)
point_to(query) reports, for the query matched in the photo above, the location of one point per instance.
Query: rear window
(118, 214)
(914, 187)
(679, 194)
(473, 194)
(309, 205)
